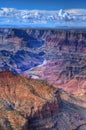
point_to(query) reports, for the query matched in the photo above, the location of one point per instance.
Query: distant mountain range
(42, 19)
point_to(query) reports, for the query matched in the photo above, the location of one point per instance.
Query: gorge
(42, 79)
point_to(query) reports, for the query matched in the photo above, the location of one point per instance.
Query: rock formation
(25, 100)
(31, 104)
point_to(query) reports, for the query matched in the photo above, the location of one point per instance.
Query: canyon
(42, 79)
(58, 56)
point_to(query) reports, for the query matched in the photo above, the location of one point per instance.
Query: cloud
(37, 18)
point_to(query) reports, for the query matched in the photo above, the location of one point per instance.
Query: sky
(43, 4)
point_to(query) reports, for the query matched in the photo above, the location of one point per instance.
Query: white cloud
(77, 11)
(37, 18)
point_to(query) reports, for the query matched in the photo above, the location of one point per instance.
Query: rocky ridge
(37, 105)
(26, 100)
